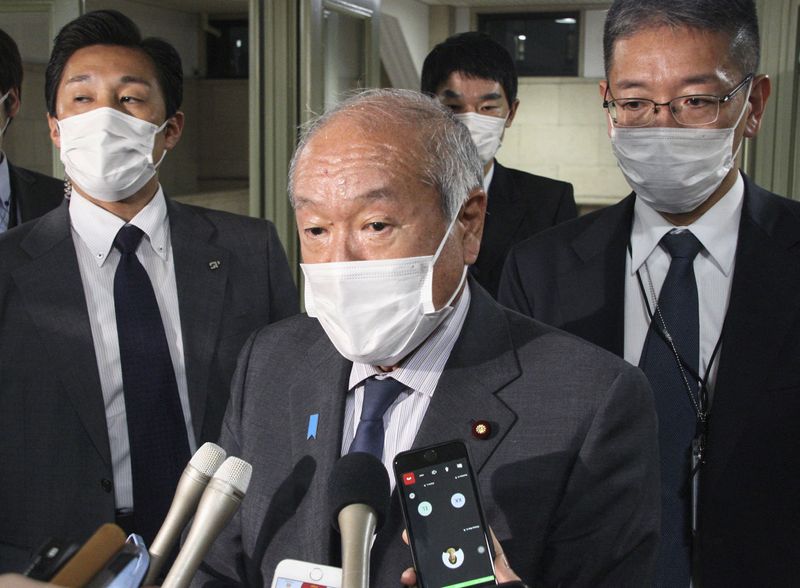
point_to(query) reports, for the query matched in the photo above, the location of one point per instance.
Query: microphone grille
(359, 478)
(236, 472)
(208, 458)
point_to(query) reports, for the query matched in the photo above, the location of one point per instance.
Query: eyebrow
(490, 96)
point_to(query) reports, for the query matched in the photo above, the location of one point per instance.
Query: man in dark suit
(24, 194)
(475, 77)
(387, 190)
(118, 356)
(600, 277)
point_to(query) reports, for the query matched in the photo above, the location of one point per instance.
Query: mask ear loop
(428, 308)
(8, 119)
(164, 154)
(741, 115)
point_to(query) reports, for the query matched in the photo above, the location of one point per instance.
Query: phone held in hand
(449, 538)
(293, 573)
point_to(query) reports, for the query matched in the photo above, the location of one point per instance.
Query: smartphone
(50, 558)
(450, 541)
(293, 573)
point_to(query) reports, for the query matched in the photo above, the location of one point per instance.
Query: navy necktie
(159, 446)
(677, 415)
(378, 397)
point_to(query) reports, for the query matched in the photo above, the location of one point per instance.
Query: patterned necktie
(677, 416)
(4, 215)
(159, 446)
(378, 397)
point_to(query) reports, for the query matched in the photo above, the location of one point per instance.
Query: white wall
(413, 16)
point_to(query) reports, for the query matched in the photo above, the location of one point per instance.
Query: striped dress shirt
(420, 372)
(93, 232)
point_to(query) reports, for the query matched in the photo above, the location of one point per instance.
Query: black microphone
(359, 502)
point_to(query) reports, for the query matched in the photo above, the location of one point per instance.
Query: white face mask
(486, 132)
(107, 153)
(675, 170)
(376, 311)
(8, 118)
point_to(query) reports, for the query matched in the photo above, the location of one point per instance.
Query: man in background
(24, 194)
(121, 312)
(695, 278)
(475, 77)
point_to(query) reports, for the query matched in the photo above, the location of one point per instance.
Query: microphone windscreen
(92, 557)
(359, 478)
(208, 458)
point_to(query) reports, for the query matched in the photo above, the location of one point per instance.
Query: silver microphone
(193, 481)
(219, 503)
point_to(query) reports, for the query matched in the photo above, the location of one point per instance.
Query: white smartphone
(293, 573)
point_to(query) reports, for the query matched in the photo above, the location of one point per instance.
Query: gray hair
(448, 159)
(736, 18)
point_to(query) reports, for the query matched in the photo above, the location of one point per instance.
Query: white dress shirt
(5, 193)
(93, 232)
(718, 231)
(420, 372)
(487, 179)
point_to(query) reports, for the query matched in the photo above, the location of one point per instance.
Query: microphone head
(208, 458)
(359, 478)
(236, 472)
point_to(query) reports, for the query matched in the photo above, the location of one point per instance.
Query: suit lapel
(762, 303)
(592, 292)
(52, 291)
(483, 361)
(504, 214)
(201, 275)
(321, 391)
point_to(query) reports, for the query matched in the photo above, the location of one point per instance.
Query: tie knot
(379, 396)
(127, 240)
(683, 245)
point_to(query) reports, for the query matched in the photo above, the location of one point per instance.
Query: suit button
(106, 484)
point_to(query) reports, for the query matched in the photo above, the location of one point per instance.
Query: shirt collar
(5, 181)
(417, 372)
(487, 179)
(98, 227)
(717, 229)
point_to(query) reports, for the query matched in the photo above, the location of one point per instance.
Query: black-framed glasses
(690, 111)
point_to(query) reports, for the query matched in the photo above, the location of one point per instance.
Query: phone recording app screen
(450, 545)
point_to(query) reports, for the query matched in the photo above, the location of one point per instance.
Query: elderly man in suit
(389, 203)
(121, 312)
(475, 77)
(24, 194)
(695, 278)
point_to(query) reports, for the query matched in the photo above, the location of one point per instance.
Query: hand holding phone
(448, 534)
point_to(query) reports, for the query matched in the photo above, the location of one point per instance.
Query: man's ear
(471, 218)
(512, 113)
(603, 87)
(762, 88)
(173, 130)
(55, 136)
(12, 103)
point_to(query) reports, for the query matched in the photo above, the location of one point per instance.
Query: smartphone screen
(448, 535)
(289, 583)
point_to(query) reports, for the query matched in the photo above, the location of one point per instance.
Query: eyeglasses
(690, 111)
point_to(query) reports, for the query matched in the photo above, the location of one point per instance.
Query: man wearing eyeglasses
(695, 278)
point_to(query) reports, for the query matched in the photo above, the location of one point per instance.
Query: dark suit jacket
(569, 476)
(55, 462)
(32, 194)
(573, 277)
(519, 205)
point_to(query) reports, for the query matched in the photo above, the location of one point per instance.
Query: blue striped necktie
(378, 397)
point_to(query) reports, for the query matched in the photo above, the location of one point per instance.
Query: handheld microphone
(92, 557)
(217, 506)
(359, 501)
(194, 479)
